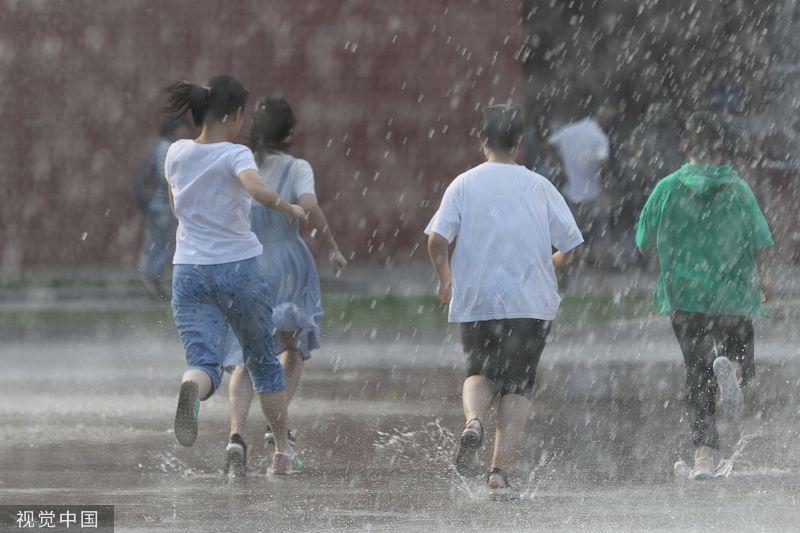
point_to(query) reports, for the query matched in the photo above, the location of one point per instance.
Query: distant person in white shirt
(583, 150)
(501, 285)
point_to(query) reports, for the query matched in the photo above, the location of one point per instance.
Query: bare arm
(171, 201)
(439, 252)
(563, 260)
(318, 221)
(268, 196)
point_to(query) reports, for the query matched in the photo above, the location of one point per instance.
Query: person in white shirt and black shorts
(501, 285)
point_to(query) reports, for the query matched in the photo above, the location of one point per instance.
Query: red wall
(386, 94)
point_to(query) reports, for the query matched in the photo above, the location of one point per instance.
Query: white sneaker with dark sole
(235, 457)
(731, 399)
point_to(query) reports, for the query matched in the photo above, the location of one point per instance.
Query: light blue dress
(286, 262)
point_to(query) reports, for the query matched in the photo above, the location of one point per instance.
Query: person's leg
(201, 326)
(240, 396)
(292, 363)
(739, 347)
(734, 335)
(523, 342)
(480, 341)
(201, 379)
(478, 392)
(692, 331)
(512, 416)
(249, 312)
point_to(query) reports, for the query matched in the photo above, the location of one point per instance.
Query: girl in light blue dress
(286, 261)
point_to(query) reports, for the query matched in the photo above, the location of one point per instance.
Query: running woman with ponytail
(288, 263)
(217, 281)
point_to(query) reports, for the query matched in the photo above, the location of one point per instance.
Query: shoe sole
(466, 457)
(503, 495)
(235, 462)
(702, 474)
(185, 415)
(731, 399)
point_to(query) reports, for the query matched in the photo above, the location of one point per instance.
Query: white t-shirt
(299, 180)
(581, 146)
(507, 219)
(212, 206)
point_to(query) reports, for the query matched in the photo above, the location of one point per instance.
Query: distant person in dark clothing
(152, 198)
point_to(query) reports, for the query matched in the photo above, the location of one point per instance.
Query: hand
(297, 214)
(338, 261)
(444, 292)
(766, 289)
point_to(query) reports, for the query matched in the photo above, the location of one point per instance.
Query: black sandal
(506, 492)
(466, 457)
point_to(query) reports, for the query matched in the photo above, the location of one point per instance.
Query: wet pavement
(89, 422)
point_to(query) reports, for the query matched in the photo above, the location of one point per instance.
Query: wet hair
(273, 121)
(501, 127)
(170, 126)
(706, 135)
(221, 96)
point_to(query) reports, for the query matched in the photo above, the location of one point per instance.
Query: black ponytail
(273, 122)
(221, 96)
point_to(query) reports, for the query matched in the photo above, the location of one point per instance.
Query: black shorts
(505, 351)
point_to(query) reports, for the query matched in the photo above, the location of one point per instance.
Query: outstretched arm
(318, 221)
(268, 196)
(439, 252)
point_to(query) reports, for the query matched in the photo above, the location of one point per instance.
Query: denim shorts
(206, 299)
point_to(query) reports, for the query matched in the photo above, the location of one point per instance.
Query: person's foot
(499, 487)
(286, 464)
(186, 414)
(269, 437)
(704, 464)
(731, 399)
(466, 457)
(235, 456)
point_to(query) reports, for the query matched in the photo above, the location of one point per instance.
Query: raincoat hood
(704, 180)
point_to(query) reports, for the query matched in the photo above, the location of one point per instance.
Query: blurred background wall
(386, 94)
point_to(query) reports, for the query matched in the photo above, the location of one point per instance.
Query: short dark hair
(220, 96)
(273, 122)
(706, 134)
(501, 127)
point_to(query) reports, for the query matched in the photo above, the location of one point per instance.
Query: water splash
(168, 463)
(432, 444)
(725, 467)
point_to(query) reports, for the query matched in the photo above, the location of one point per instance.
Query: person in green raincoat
(706, 227)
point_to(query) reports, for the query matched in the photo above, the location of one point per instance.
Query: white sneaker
(704, 464)
(731, 399)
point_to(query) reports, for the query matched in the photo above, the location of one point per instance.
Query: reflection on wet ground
(91, 423)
